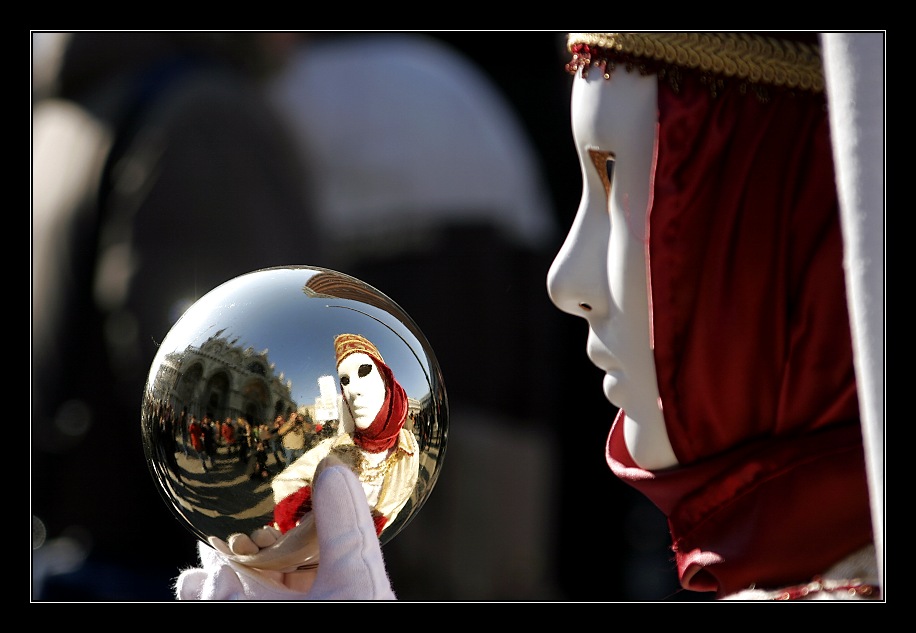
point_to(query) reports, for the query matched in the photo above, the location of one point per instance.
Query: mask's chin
(613, 388)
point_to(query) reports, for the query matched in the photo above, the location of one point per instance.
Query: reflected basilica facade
(221, 379)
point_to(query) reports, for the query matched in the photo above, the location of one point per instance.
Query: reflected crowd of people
(235, 439)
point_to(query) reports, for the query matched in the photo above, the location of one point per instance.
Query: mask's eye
(344, 381)
(604, 163)
(364, 370)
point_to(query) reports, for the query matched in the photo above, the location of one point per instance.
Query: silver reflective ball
(269, 373)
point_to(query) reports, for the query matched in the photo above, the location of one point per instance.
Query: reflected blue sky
(268, 310)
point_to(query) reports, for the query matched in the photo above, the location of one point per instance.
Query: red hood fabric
(752, 343)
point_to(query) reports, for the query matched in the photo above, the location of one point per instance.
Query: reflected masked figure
(371, 438)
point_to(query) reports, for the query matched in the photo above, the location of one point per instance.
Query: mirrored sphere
(267, 374)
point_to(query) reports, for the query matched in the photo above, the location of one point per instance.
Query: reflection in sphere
(263, 377)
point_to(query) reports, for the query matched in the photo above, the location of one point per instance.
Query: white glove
(351, 564)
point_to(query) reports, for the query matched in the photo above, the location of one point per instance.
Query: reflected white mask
(363, 388)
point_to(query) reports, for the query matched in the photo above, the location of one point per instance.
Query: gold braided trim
(754, 58)
(346, 344)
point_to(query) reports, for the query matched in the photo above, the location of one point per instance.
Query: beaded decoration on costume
(754, 60)
(817, 589)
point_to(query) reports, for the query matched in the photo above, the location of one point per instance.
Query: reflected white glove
(351, 564)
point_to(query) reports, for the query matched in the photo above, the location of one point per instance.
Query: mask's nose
(577, 275)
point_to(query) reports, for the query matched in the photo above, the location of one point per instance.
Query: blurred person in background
(159, 171)
(428, 186)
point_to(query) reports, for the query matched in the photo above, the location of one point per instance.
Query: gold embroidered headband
(752, 58)
(346, 344)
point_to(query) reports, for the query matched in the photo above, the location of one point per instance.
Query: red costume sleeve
(291, 509)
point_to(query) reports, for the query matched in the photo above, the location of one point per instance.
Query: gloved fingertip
(330, 461)
(352, 566)
(336, 483)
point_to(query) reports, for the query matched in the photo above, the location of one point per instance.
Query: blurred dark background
(210, 181)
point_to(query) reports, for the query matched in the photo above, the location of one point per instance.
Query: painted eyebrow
(604, 164)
